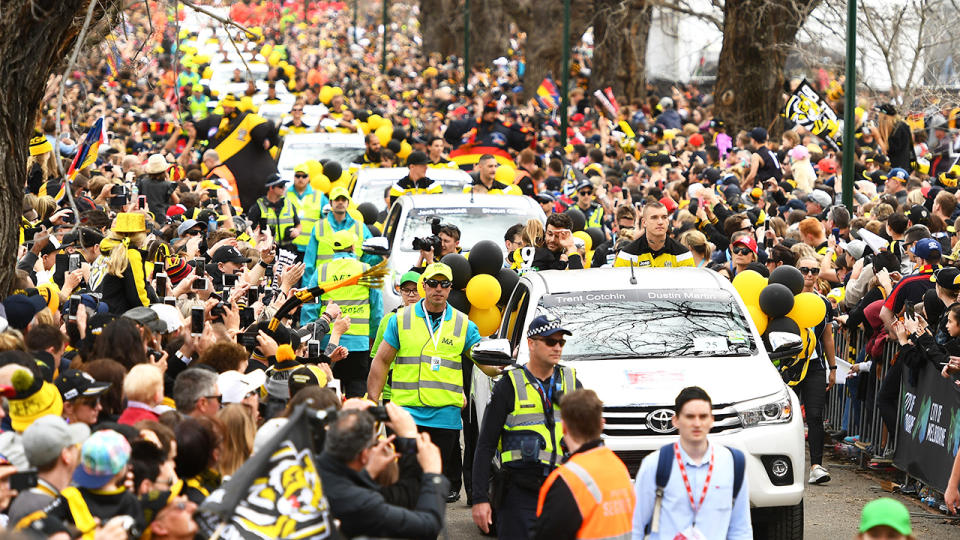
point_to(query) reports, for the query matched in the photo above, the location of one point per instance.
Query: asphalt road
(831, 511)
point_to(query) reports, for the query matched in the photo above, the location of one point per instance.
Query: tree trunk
(756, 37)
(489, 31)
(437, 19)
(620, 32)
(542, 21)
(37, 37)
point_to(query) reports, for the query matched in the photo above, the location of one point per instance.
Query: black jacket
(357, 502)
(133, 289)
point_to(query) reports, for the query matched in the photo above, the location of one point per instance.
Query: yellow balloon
(326, 94)
(749, 284)
(343, 181)
(420, 290)
(320, 183)
(405, 150)
(487, 320)
(274, 58)
(374, 121)
(207, 73)
(808, 310)
(587, 263)
(483, 291)
(759, 318)
(384, 133)
(266, 50)
(505, 174)
(587, 241)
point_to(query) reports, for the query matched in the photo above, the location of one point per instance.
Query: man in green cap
(425, 343)
(885, 519)
(320, 250)
(409, 295)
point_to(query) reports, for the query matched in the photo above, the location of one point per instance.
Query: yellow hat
(438, 269)
(338, 192)
(40, 145)
(46, 400)
(343, 240)
(302, 168)
(51, 294)
(229, 100)
(129, 223)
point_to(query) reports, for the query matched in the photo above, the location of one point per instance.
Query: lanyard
(546, 394)
(434, 336)
(686, 481)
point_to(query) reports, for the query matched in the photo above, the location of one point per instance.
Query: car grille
(641, 421)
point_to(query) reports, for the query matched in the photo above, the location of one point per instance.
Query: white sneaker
(818, 475)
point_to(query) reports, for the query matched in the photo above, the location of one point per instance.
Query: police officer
(276, 212)
(309, 204)
(364, 307)
(425, 342)
(522, 423)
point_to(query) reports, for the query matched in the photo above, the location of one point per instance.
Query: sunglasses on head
(741, 250)
(433, 283)
(553, 342)
(809, 270)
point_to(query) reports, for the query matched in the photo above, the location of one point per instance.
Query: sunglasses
(300, 175)
(296, 110)
(553, 342)
(742, 250)
(433, 283)
(586, 192)
(408, 290)
(807, 270)
(218, 398)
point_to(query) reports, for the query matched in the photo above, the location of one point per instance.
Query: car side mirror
(377, 245)
(492, 352)
(785, 347)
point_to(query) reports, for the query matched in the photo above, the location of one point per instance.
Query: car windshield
(475, 223)
(295, 153)
(371, 189)
(647, 323)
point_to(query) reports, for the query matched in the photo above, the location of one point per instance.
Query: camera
(118, 196)
(154, 355)
(432, 242)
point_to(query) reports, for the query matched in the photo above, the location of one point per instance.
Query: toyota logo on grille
(660, 421)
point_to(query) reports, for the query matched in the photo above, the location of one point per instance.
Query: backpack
(665, 467)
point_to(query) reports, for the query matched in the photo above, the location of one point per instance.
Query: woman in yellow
(126, 284)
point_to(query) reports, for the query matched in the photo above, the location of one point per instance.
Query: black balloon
(776, 300)
(783, 324)
(789, 276)
(374, 231)
(461, 269)
(486, 258)
(579, 222)
(458, 301)
(369, 212)
(597, 236)
(508, 280)
(394, 146)
(332, 170)
(399, 133)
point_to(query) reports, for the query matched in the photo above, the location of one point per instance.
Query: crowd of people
(149, 348)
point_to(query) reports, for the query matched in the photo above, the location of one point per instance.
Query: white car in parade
(371, 182)
(641, 336)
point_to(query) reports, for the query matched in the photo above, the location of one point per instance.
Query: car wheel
(779, 522)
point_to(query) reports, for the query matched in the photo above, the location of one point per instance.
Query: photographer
(351, 446)
(445, 239)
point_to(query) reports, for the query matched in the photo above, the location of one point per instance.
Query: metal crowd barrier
(852, 406)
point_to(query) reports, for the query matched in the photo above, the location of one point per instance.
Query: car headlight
(777, 409)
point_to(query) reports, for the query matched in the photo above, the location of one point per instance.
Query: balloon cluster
(481, 286)
(390, 137)
(779, 305)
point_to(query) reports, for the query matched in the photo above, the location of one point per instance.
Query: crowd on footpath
(148, 348)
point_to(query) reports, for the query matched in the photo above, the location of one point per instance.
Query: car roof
(609, 278)
(450, 200)
(343, 139)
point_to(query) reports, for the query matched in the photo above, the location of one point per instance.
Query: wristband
(833, 368)
(263, 264)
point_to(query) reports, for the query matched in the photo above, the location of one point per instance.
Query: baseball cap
(546, 325)
(747, 241)
(409, 277)
(186, 226)
(855, 248)
(74, 383)
(103, 456)
(417, 158)
(544, 198)
(820, 197)
(338, 192)
(948, 277)
(711, 174)
(436, 269)
(342, 240)
(924, 247)
(758, 134)
(235, 385)
(885, 108)
(302, 168)
(229, 254)
(274, 180)
(827, 165)
(145, 316)
(900, 174)
(917, 214)
(46, 437)
(304, 376)
(885, 511)
(169, 316)
(21, 309)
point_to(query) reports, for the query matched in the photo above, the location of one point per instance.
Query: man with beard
(555, 252)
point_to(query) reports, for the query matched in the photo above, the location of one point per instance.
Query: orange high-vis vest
(601, 486)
